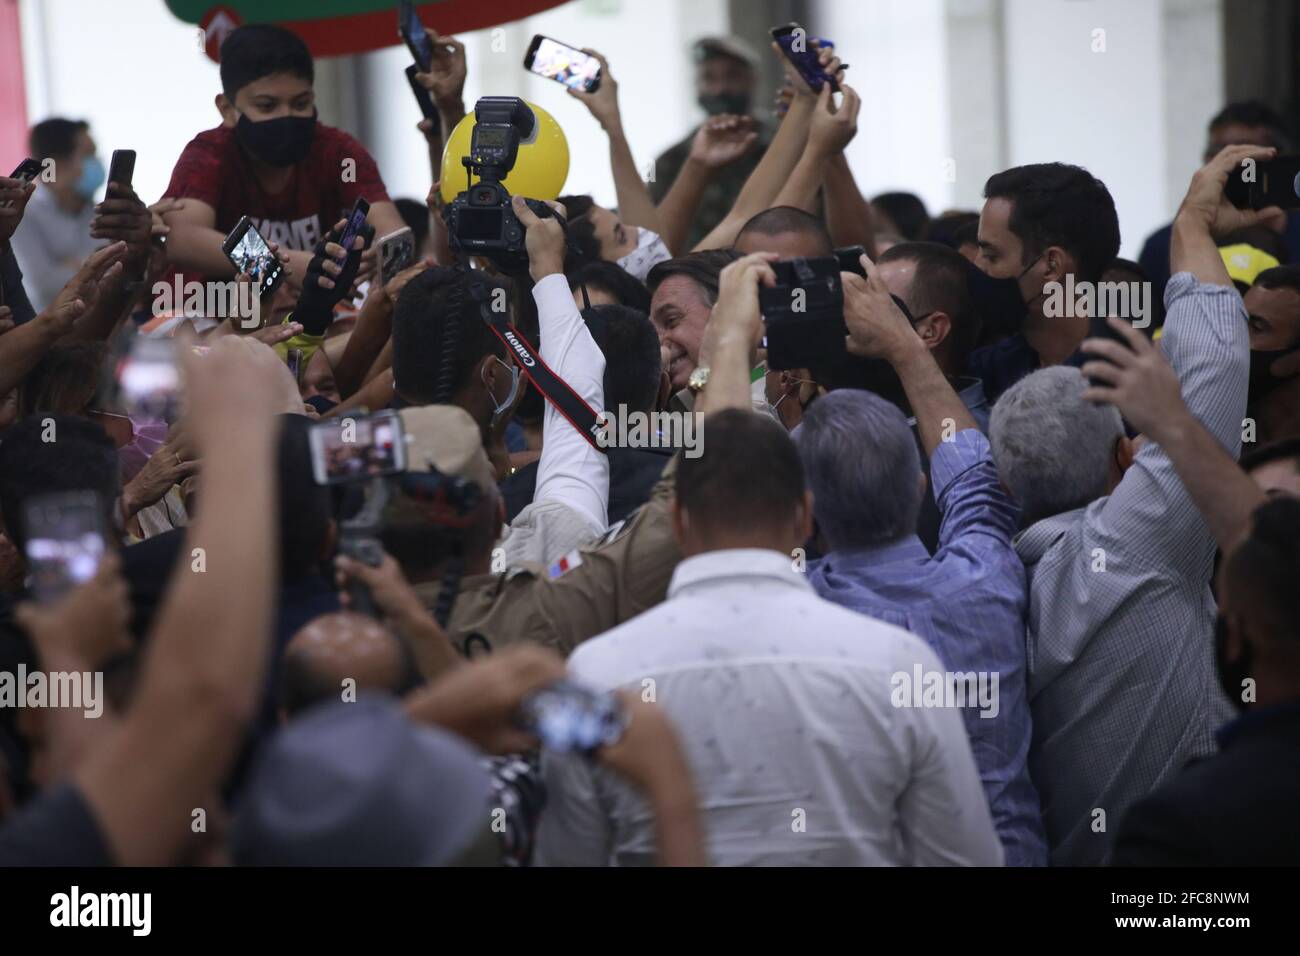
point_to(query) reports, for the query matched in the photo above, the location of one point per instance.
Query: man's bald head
(336, 647)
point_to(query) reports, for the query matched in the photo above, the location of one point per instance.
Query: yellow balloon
(539, 171)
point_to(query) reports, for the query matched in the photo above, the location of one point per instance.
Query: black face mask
(1231, 673)
(715, 104)
(283, 141)
(1262, 379)
(998, 302)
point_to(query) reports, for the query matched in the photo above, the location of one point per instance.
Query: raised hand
(721, 140)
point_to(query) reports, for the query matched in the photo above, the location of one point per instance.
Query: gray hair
(862, 466)
(1052, 449)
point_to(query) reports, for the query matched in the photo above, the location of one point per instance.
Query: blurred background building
(953, 89)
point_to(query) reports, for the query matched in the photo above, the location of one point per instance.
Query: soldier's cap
(732, 47)
(445, 438)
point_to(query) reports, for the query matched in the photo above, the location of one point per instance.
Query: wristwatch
(699, 378)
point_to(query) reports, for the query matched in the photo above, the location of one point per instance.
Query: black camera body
(804, 313)
(480, 221)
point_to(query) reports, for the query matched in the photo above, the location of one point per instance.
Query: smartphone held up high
(564, 64)
(1258, 184)
(250, 254)
(65, 541)
(802, 51)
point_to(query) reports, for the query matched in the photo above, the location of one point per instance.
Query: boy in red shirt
(271, 160)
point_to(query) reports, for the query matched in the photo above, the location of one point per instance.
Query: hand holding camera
(1208, 200)
(878, 328)
(544, 236)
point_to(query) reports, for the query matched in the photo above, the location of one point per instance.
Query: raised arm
(830, 131)
(848, 213)
(719, 142)
(199, 686)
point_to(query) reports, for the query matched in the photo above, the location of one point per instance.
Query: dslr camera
(480, 221)
(804, 313)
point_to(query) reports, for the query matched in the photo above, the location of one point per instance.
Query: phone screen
(412, 31)
(567, 716)
(252, 256)
(356, 449)
(65, 542)
(149, 378)
(564, 64)
(355, 221)
(805, 58)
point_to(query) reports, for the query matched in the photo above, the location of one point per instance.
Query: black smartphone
(121, 167)
(396, 252)
(417, 39)
(27, 170)
(357, 448)
(422, 96)
(850, 259)
(797, 46)
(356, 219)
(563, 64)
(1261, 183)
(1099, 328)
(569, 717)
(65, 541)
(803, 313)
(250, 253)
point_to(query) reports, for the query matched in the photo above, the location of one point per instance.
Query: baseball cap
(733, 47)
(445, 438)
(1245, 262)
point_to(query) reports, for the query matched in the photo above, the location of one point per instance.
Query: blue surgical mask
(92, 177)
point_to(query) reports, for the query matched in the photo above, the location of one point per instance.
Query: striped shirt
(1121, 666)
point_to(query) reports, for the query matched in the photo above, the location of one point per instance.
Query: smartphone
(356, 219)
(569, 717)
(396, 252)
(250, 254)
(563, 64)
(121, 167)
(1269, 182)
(850, 259)
(422, 97)
(417, 39)
(27, 170)
(1099, 328)
(357, 448)
(805, 58)
(65, 541)
(149, 380)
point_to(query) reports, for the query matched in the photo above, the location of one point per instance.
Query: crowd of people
(991, 584)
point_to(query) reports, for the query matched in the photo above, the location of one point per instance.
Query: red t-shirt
(214, 169)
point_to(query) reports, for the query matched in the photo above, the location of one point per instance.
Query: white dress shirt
(783, 704)
(568, 509)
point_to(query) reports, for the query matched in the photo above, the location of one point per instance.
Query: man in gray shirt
(55, 238)
(1122, 684)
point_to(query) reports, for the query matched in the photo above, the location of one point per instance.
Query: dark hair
(1287, 449)
(439, 337)
(80, 458)
(721, 488)
(1280, 277)
(65, 380)
(1254, 113)
(256, 50)
(1054, 204)
(632, 360)
(305, 508)
(906, 210)
(416, 215)
(940, 284)
(1261, 572)
(702, 268)
(784, 219)
(953, 228)
(583, 246)
(55, 138)
(612, 278)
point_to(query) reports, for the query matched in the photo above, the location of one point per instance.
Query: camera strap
(553, 388)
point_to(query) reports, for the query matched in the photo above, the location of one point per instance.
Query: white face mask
(649, 252)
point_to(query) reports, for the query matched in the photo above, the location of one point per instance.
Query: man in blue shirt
(968, 600)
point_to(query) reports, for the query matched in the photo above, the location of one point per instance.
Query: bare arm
(199, 686)
(848, 213)
(719, 142)
(735, 327)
